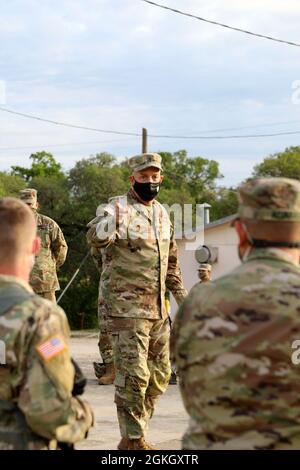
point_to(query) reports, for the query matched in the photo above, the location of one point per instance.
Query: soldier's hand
(121, 213)
(79, 380)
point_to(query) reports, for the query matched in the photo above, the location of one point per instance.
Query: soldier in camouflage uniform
(53, 252)
(139, 257)
(37, 409)
(233, 338)
(204, 272)
(105, 372)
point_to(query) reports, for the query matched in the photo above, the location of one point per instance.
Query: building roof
(223, 221)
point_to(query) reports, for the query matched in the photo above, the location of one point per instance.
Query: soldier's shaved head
(17, 231)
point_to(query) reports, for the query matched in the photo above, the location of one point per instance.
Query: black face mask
(146, 191)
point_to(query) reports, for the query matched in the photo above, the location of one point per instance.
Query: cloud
(142, 29)
(252, 104)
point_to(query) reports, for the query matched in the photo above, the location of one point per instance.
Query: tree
(285, 164)
(187, 181)
(93, 181)
(53, 195)
(223, 202)
(194, 176)
(10, 185)
(44, 164)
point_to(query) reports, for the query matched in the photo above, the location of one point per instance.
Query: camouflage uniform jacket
(97, 258)
(139, 263)
(36, 405)
(232, 342)
(51, 256)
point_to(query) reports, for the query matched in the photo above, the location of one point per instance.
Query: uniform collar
(7, 279)
(272, 253)
(145, 210)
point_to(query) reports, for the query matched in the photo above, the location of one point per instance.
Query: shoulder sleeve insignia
(51, 348)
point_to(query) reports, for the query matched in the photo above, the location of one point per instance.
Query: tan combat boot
(139, 444)
(124, 443)
(109, 376)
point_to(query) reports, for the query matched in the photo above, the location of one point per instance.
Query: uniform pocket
(120, 380)
(44, 234)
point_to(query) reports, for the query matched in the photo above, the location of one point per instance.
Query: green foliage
(82, 296)
(194, 176)
(285, 164)
(187, 181)
(224, 202)
(10, 185)
(44, 165)
(53, 195)
(93, 181)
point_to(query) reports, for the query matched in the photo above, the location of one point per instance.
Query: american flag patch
(51, 348)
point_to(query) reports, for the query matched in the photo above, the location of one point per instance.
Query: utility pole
(145, 141)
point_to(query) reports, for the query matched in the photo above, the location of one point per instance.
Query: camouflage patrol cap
(145, 160)
(276, 199)
(28, 195)
(204, 267)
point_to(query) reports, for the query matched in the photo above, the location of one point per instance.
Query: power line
(255, 126)
(65, 144)
(50, 121)
(221, 137)
(297, 121)
(270, 38)
(155, 136)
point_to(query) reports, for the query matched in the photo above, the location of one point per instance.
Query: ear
(36, 245)
(241, 233)
(131, 179)
(161, 178)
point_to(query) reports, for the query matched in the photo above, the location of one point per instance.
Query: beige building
(222, 240)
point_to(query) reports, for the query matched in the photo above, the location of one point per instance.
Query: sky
(123, 65)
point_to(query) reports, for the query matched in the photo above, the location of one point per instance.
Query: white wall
(225, 239)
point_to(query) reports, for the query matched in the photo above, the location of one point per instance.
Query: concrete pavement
(166, 427)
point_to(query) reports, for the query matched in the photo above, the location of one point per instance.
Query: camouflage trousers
(142, 365)
(105, 343)
(48, 295)
(250, 440)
